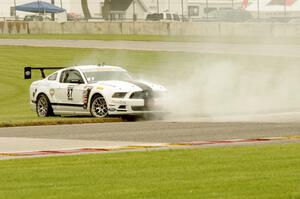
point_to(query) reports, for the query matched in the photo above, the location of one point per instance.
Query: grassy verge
(98, 37)
(164, 38)
(57, 121)
(260, 172)
(162, 67)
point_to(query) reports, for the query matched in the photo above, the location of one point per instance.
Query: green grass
(255, 172)
(34, 121)
(162, 67)
(98, 37)
(165, 38)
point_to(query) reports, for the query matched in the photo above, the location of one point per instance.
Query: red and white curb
(144, 147)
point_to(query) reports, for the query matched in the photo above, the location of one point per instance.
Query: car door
(70, 92)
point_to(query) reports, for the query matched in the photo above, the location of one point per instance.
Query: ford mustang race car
(93, 90)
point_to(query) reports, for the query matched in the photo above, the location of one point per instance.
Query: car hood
(130, 85)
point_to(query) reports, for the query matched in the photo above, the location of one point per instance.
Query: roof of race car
(86, 68)
(92, 68)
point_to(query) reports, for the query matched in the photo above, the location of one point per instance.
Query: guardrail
(204, 29)
(13, 27)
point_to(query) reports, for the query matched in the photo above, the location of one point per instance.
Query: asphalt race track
(198, 47)
(155, 131)
(22, 142)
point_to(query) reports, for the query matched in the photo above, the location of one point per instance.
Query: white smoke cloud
(224, 89)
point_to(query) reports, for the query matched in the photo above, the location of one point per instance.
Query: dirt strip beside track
(60, 147)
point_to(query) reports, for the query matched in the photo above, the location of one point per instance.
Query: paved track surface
(14, 145)
(200, 47)
(156, 131)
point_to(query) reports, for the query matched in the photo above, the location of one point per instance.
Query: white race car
(93, 90)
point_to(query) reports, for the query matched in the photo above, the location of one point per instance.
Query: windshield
(96, 76)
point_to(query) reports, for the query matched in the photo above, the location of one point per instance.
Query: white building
(124, 10)
(199, 8)
(275, 8)
(173, 6)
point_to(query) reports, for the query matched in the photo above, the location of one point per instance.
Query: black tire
(132, 118)
(98, 107)
(43, 106)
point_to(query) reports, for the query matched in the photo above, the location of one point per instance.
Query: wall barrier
(13, 27)
(208, 29)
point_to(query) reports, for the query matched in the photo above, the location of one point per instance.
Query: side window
(161, 16)
(71, 76)
(63, 77)
(169, 16)
(52, 77)
(176, 17)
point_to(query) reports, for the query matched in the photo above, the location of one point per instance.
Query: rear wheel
(43, 106)
(99, 107)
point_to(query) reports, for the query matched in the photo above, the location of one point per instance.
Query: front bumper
(135, 106)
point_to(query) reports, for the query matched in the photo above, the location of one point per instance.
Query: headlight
(119, 95)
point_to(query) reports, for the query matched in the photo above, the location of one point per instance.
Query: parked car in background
(290, 20)
(184, 18)
(74, 17)
(164, 16)
(258, 20)
(37, 18)
(228, 15)
(279, 19)
(294, 21)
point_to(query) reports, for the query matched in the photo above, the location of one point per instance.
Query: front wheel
(99, 107)
(43, 107)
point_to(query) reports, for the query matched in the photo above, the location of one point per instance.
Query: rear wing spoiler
(28, 71)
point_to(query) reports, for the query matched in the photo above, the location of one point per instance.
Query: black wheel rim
(99, 107)
(42, 106)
